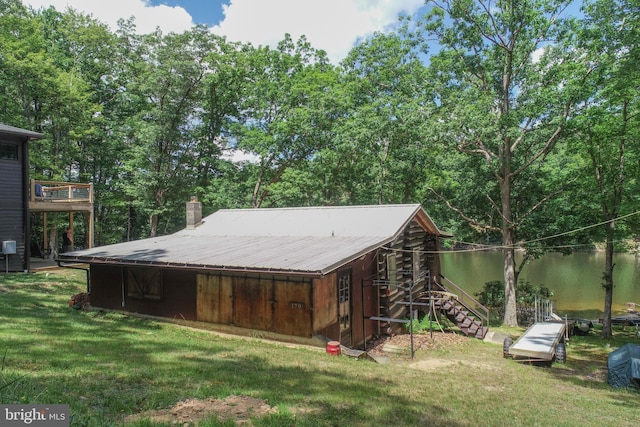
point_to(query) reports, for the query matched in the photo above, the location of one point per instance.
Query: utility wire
(479, 247)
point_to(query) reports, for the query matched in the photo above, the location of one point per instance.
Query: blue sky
(207, 12)
(333, 25)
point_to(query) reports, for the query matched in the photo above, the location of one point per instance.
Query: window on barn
(145, 283)
(392, 269)
(418, 275)
(8, 151)
(344, 299)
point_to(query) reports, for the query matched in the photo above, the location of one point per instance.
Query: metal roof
(11, 130)
(312, 240)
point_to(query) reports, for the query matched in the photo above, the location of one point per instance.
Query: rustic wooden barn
(333, 272)
(14, 199)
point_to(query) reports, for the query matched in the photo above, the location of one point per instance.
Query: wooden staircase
(464, 311)
(463, 319)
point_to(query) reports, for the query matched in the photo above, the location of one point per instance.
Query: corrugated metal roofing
(313, 240)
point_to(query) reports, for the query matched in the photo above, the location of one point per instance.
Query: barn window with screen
(392, 269)
(8, 151)
(145, 284)
(344, 297)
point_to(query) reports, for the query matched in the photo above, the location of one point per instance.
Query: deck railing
(468, 301)
(60, 192)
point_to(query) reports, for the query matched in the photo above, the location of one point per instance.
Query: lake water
(576, 279)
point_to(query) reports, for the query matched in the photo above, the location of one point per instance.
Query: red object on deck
(333, 348)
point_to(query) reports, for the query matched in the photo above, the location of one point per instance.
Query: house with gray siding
(14, 197)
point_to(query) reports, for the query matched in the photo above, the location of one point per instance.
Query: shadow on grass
(586, 366)
(107, 365)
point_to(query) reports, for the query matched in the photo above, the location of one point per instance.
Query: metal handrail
(468, 301)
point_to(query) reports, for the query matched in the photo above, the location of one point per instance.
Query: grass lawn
(109, 367)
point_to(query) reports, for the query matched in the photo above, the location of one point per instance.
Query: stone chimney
(194, 213)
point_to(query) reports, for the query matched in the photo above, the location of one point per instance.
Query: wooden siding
(267, 303)
(325, 306)
(252, 303)
(362, 301)
(106, 286)
(12, 196)
(110, 287)
(215, 299)
(291, 308)
(414, 240)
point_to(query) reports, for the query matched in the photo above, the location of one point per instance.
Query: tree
(505, 91)
(283, 119)
(608, 128)
(385, 128)
(220, 93)
(164, 79)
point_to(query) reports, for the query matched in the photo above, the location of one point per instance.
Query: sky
(332, 25)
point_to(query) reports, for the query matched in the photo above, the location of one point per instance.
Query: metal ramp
(539, 343)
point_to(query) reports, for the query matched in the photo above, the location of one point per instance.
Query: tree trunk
(510, 306)
(129, 223)
(608, 283)
(154, 225)
(508, 238)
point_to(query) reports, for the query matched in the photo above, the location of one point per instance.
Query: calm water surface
(576, 279)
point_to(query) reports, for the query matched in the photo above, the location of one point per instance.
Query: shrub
(492, 297)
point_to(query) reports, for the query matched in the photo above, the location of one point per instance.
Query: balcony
(55, 196)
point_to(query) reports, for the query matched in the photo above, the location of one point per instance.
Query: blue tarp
(623, 365)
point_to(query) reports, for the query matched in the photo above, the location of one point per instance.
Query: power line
(479, 247)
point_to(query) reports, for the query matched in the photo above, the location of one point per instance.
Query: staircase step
(465, 323)
(461, 316)
(482, 332)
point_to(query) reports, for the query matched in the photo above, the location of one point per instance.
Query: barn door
(292, 308)
(344, 306)
(215, 299)
(252, 303)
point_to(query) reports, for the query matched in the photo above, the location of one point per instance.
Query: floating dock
(539, 341)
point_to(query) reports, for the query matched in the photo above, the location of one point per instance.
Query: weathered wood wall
(414, 242)
(110, 286)
(289, 305)
(268, 303)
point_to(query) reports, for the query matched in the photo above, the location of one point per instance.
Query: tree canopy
(493, 115)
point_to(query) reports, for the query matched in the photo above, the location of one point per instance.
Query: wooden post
(45, 237)
(90, 231)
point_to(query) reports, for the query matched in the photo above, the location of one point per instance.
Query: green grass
(107, 366)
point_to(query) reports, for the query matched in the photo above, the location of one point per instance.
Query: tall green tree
(387, 127)
(281, 122)
(220, 93)
(608, 128)
(28, 76)
(164, 79)
(505, 92)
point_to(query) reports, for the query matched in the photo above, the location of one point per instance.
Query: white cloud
(240, 156)
(332, 25)
(147, 17)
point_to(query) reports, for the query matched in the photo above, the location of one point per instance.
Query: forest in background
(513, 123)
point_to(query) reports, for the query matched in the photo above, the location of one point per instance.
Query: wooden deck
(56, 196)
(539, 341)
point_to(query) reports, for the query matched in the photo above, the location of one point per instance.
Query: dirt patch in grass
(439, 341)
(240, 409)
